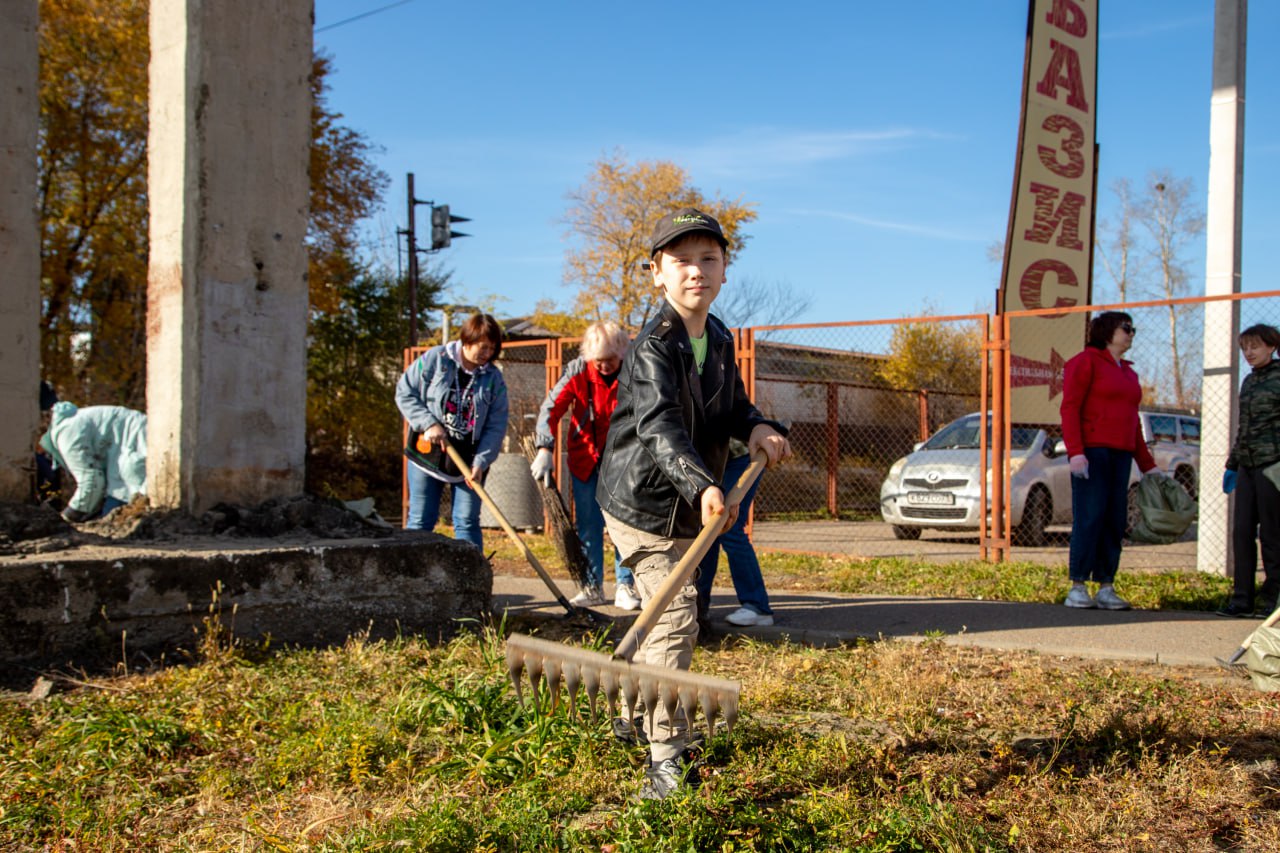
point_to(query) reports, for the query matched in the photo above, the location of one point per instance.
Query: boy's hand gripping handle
(683, 571)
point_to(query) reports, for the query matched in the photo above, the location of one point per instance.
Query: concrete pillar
(227, 291)
(19, 247)
(1220, 391)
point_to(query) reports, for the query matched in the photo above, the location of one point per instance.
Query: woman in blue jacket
(453, 391)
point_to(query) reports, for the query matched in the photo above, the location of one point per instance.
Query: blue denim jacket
(424, 387)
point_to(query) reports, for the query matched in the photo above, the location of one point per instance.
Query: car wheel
(905, 533)
(1036, 516)
(1186, 478)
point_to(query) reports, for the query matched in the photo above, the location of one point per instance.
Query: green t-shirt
(699, 351)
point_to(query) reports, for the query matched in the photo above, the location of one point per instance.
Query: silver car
(936, 486)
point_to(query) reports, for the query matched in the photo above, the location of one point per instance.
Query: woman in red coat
(1103, 434)
(588, 391)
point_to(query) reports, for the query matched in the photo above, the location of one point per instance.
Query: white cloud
(890, 225)
(765, 152)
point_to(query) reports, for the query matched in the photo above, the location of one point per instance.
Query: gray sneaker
(1108, 600)
(662, 780)
(1079, 597)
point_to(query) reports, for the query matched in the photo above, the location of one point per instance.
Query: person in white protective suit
(105, 449)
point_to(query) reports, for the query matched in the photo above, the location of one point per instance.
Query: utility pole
(441, 237)
(412, 233)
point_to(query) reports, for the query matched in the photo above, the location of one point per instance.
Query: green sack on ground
(1165, 511)
(1263, 659)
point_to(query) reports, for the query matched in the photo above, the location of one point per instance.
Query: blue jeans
(744, 567)
(590, 523)
(424, 506)
(1099, 508)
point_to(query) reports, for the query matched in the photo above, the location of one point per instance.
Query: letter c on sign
(1031, 287)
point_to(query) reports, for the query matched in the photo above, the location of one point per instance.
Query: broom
(560, 527)
(616, 676)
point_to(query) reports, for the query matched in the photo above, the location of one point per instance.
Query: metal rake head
(617, 680)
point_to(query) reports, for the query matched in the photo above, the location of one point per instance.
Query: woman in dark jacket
(1103, 434)
(1256, 449)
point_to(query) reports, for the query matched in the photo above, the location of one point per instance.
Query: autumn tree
(92, 191)
(354, 358)
(934, 356)
(612, 216)
(92, 155)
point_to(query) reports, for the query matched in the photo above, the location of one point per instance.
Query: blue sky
(877, 140)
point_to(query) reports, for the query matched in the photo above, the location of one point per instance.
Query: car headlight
(895, 470)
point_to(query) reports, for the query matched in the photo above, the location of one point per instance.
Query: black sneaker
(630, 732)
(663, 779)
(1236, 610)
(1264, 609)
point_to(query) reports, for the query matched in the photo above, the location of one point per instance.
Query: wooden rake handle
(683, 571)
(506, 526)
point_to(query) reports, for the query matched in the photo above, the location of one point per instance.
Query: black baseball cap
(686, 220)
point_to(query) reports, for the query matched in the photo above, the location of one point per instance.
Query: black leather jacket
(669, 437)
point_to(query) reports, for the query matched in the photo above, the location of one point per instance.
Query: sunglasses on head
(1129, 328)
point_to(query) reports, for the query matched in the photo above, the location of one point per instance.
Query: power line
(362, 15)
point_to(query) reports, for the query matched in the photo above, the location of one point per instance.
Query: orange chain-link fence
(859, 397)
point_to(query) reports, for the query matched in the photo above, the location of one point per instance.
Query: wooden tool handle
(683, 571)
(506, 525)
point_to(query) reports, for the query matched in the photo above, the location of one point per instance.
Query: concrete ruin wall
(80, 610)
(230, 135)
(19, 248)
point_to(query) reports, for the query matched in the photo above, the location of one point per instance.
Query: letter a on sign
(1049, 250)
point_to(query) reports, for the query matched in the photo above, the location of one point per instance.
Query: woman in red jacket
(1103, 434)
(588, 390)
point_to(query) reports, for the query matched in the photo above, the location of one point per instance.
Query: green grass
(973, 579)
(875, 747)
(1014, 581)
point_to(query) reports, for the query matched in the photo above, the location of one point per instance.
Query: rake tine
(729, 701)
(515, 667)
(669, 694)
(710, 710)
(591, 681)
(649, 695)
(533, 665)
(689, 703)
(631, 693)
(553, 670)
(572, 681)
(609, 684)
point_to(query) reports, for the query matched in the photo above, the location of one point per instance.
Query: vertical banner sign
(1049, 248)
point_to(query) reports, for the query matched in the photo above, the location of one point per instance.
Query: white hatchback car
(936, 485)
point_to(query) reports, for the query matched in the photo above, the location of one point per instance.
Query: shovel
(511, 532)
(616, 675)
(1234, 660)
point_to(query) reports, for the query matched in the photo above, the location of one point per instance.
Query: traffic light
(441, 224)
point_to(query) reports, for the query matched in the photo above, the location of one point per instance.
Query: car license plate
(931, 498)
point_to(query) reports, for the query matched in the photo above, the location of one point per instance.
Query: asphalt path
(819, 618)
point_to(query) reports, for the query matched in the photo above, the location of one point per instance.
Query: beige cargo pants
(651, 558)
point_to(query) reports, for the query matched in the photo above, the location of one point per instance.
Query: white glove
(541, 466)
(1079, 465)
